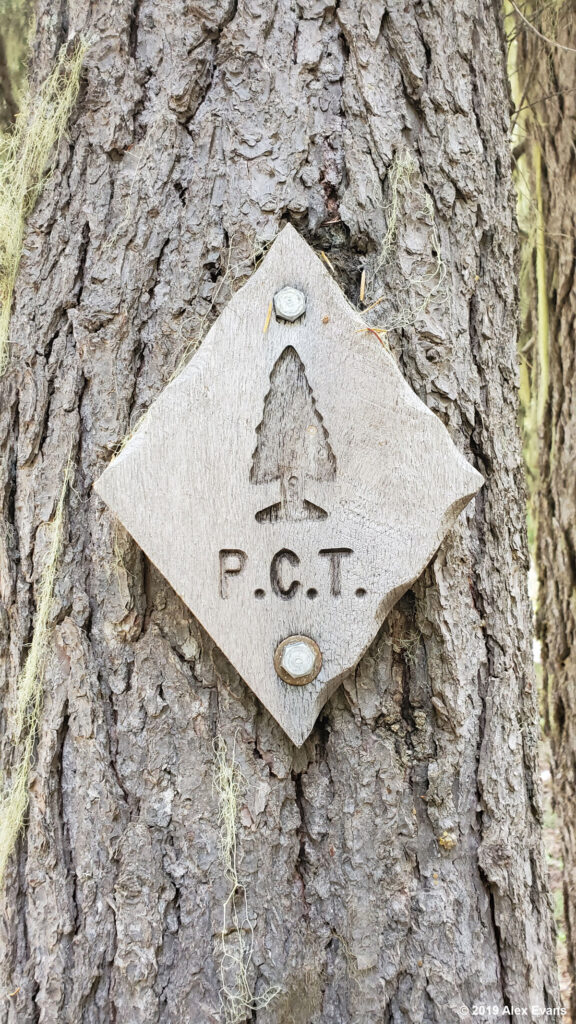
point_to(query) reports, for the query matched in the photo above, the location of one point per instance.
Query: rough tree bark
(547, 77)
(393, 866)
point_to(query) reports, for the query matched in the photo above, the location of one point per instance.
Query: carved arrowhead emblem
(290, 485)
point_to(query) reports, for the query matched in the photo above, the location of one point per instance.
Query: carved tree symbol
(292, 444)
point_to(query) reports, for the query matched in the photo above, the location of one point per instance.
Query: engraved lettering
(276, 575)
(335, 555)
(232, 562)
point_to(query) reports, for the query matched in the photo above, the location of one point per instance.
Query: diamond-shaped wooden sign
(289, 484)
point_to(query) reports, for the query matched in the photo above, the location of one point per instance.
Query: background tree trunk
(392, 867)
(14, 32)
(547, 98)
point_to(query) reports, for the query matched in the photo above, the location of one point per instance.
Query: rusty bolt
(297, 660)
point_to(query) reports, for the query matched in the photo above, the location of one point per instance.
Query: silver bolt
(289, 304)
(297, 660)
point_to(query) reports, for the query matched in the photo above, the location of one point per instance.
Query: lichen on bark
(198, 133)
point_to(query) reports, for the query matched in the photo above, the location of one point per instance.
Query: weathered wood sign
(289, 484)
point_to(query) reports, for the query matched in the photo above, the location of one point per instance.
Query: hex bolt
(297, 660)
(289, 304)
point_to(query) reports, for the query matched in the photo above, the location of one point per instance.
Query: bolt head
(289, 304)
(298, 660)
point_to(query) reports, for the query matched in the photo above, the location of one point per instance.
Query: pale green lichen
(236, 943)
(25, 152)
(400, 176)
(29, 691)
(408, 198)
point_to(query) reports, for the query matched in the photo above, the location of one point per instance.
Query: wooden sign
(289, 484)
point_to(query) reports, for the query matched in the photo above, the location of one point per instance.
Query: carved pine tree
(392, 867)
(293, 444)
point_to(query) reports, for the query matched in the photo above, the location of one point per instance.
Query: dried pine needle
(268, 318)
(374, 304)
(327, 261)
(377, 331)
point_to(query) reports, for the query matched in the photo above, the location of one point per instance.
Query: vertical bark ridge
(392, 865)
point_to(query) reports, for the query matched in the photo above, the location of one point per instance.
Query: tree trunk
(392, 868)
(548, 100)
(14, 32)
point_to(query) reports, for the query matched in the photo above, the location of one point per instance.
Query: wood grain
(290, 483)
